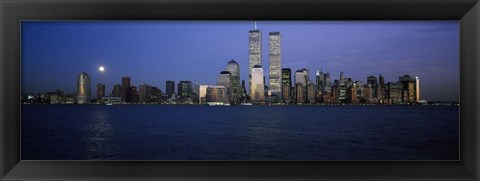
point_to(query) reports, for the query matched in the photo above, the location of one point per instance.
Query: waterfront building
(170, 88)
(381, 82)
(395, 93)
(311, 93)
(84, 90)
(245, 96)
(302, 77)
(286, 84)
(417, 89)
(116, 91)
(299, 96)
(328, 84)
(275, 66)
(372, 80)
(100, 91)
(142, 93)
(408, 92)
(202, 93)
(234, 68)
(254, 54)
(126, 95)
(320, 82)
(225, 80)
(134, 97)
(215, 94)
(185, 89)
(352, 94)
(258, 92)
(342, 89)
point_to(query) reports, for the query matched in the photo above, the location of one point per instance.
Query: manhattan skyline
(152, 52)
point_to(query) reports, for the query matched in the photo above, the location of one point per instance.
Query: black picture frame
(13, 11)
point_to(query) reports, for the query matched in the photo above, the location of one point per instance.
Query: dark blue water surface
(166, 132)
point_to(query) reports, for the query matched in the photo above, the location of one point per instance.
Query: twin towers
(256, 77)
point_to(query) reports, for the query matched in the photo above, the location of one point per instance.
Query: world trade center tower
(254, 53)
(275, 66)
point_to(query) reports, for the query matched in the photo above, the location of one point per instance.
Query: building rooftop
(232, 61)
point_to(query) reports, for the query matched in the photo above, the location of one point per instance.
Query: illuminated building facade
(234, 68)
(254, 54)
(258, 89)
(286, 84)
(84, 90)
(225, 80)
(275, 66)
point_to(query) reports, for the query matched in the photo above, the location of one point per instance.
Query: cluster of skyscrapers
(280, 89)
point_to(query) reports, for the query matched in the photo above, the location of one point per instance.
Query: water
(167, 132)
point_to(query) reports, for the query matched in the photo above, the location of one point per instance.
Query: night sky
(151, 52)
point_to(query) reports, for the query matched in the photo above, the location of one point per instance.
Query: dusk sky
(151, 52)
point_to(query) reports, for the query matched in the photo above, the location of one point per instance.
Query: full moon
(101, 69)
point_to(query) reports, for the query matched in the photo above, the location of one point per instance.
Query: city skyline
(214, 69)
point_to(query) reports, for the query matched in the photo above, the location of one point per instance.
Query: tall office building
(185, 89)
(225, 79)
(117, 90)
(302, 77)
(409, 86)
(170, 88)
(254, 54)
(100, 91)
(126, 96)
(417, 88)
(342, 89)
(299, 96)
(275, 65)
(134, 96)
(372, 80)
(286, 84)
(202, 93)
(381, 92)
(244, 92)
(84, 89)
(258, 89)
(234, 69)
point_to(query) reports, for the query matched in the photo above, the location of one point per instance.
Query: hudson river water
(174, 132)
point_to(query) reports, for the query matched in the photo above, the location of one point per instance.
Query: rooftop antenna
(255, 25)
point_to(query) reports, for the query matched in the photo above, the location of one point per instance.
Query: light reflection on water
(139, 132)
(99, 136)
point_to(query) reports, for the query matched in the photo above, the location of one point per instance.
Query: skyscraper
(126, 96)
(302, 77)
(409, 86)
(381, 92)
(254, 54)
(225, 79)
(275, 66)
(170, 88)
(258, 94)
(185, 89)
(84, 90)
(117, 90)
(372, 80)
(417, 88)
(286, 84)
(342, 89)
(100, 91)
(234, 69)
